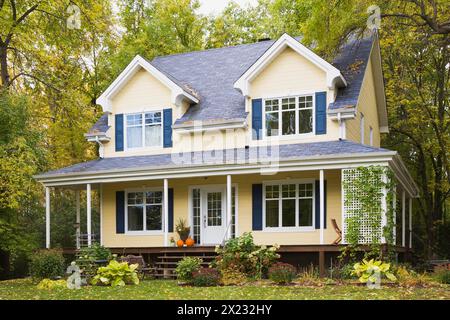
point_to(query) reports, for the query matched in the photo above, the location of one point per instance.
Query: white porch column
(394, 207)
(101, 214)
(410, 222)
(229, 218)
(78, 220)
(88, 213)
(166, 212)
(47, 217)
(322, 205)
(403, 218)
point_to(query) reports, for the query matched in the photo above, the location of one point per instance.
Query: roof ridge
(213, 49)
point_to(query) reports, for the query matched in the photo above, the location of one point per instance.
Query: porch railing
(82, 239)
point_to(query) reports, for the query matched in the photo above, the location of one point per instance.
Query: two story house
(250, 138)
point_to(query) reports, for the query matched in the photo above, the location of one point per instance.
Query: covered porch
(297, 202)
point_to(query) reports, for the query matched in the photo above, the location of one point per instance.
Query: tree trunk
(4, 74)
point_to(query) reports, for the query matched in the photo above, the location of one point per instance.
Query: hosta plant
(368, 270)
(116, 274)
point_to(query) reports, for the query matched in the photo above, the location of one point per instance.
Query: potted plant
(182, 229)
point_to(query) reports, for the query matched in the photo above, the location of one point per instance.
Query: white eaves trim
(138, 62)
(334, 76)
(204, 127)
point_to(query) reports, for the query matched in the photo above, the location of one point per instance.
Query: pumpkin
(180, 243)
(189, 242)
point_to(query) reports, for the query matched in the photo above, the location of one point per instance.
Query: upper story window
(289, 115)
(144, 130)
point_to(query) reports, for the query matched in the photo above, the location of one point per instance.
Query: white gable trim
(177, 93)
(334, 76)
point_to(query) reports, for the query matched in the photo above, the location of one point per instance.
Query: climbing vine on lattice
(365, 207)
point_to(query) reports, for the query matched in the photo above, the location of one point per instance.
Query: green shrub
(345, 272)
(186, 267)
(206, 277)
(443, 276)
(116, 274)
(242, 253)
(95, 252)
(52, 284)
(366, 270)
(47, 264)
(232, 276)
(282, 273)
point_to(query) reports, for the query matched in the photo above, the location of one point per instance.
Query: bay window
(144, 211)
(144, 129)
(289, 205)
(295, 116)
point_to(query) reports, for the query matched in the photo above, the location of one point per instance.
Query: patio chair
(143, 269)
(338, 231)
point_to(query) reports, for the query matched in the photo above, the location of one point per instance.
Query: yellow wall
(367, 105)
(244, 199)
(291, 74)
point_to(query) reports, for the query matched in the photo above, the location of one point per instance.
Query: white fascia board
(152, 173)
(138, 62)
(333, 74)
(225, 125)
(404, 177)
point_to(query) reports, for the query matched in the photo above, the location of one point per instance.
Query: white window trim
(297, 135)
(296, 228)
(144, 232)
(143, 148)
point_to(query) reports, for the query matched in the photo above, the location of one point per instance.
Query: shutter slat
(257, 213)
(167, 130)
(119, 132)
(257, 119)
(120, 211)
(321, 112)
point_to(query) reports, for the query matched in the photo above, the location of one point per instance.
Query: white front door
(213, 215)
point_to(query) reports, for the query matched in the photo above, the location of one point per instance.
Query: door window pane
(214, 214)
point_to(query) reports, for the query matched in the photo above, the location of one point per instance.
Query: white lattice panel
(352, 207)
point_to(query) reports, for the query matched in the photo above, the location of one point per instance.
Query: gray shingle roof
(285, 152)
(211, 74)
(101, 126)
(352, 62)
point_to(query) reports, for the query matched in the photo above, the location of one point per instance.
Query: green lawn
(167, 289)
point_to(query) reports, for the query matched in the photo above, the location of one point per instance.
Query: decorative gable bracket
(334, 76)
(178, 93)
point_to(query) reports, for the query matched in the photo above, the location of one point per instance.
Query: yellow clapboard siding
(244, 188)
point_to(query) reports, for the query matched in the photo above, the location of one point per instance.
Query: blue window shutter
(119, 132)
(257, 119)
(317, 204)
(167, 128)
(257, 206)
(170, 209)
(321, 112)
(120, 211)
